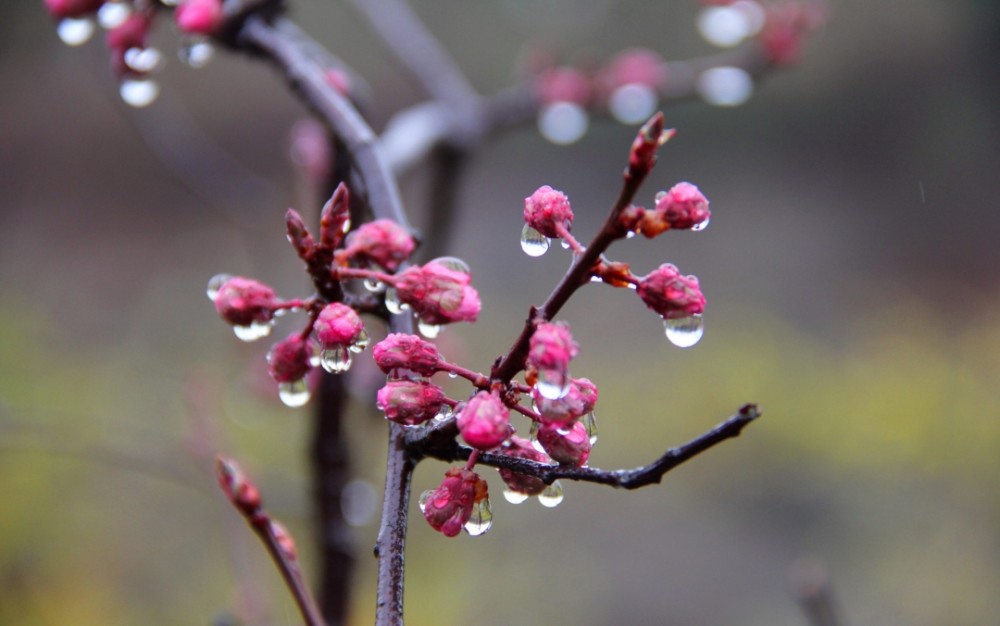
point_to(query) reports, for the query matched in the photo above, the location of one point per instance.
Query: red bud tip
(237, 487)
(335, 215)
(284, 540)
(298, 235)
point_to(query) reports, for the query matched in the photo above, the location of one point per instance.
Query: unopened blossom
(288, 360)
(410, 402)
(402, 351)
(638, 66)
(569, 446)
(484, 421)
(683, 206)
(562, 84)
(198, 17)
(382, 242)
(667, 292)
(552, 347)
(522, 483)
(72, 8)
(130, 34)
(579, 400)
(235, 484)
(546, 208)
(438, 294)
(449, 507)
(244, 301)
(338, 325)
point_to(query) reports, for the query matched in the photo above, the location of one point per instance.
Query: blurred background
(850, 270)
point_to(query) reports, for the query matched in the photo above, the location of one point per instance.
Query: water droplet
(482, 518)
(139, 92)
(424, 497)
(514, 497)
(253, 332)
(196, 53)
(552, 496)
(294, 394)
(701, 225)
(596, 279)
(723, 26)
(533, 242)
(144, 60)
(170, 3)
(335, 360)
(725, 86)
(444, 413)
(393, 303)
(633, 103)
(346, 226)
(454, 263)
(589, 422)
(374, 286)
(215, 283)
(684, 332)
(428, 330)
(564, 244)
(113, 14)
(563, 123)
(552, 384)
(361, 342)
(75, 32)
(452, 375)
(630, 234)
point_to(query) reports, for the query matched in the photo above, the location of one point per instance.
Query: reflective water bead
(701, 225)
(428, 330)
(139, 92)
(533, 242)
(113, 14)
(482, 518)
(75, 32)
(444, 413)
(630, 234)
(424, 497)
(346, 226)
(514, 497)
(215, 283)
(294, 394)
(564, 244)
(552, 385)
(563, 123)
(454, 263)
(361, 342)
(552, 496)
(143, 60)
(253, 332)
(393, 303)
(374, 286)
(590, 423)
(335, 360)
(684, 332)
(196, 54)
(725, 86)
(633, 103)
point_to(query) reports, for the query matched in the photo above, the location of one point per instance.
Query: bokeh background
(850, 268)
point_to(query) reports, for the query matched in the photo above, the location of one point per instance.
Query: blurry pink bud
(336, 214)
(546, 208)
(338, 325)
(72, 8)
(579, 400)
(383, 242)
(284, 540)
(244, 301)
(288, 360)
(684, 206)
(131, 33)
(401, 351)
(673, 296)
(636, 66)
(237, 487)
(569, 446)
(198, 17)
(339, 80)
(298, 235)
(562, 84)
(484, 421)
(449, 507)
(642, 155)
(552, 347)
(410, 402)
(438, 294)
(522, 483)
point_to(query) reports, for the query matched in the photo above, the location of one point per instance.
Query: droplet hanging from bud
(589, 422)
(552, 496)
(563, 123)
(294, 394)
(533, 242)
(256, 330)
(113, 14)
(514, 497)
(428, 330)
(335, 360)
(361, 342)
(143, 60)
(215, 283)
(75, 31)
(196, 53)
(481, 519)
(139, 92)
(393, 303)
(684, 332)
(552, 384)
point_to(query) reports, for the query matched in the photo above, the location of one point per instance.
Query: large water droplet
(533, 436)
(589, 422)
(725, 86)
(215, 283)
(563, 123)
(393, 303)
(552, 384)
(701, 225)
(361, 342)
(294, 394)
(482, 518)
(723, 26)
(552, 496)
(428, 330)
(633, 103)
(144, 60)
(75, 32)
(424, 497)
(335, 360)
(444, 413)
(253, 332)
(196, 53)
(454, 263)
(374, 286)
(514, 497)
(113, 14)
(139, 92)
(684, 332)
(533, 242)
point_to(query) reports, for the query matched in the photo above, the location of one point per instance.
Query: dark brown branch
(445, 448)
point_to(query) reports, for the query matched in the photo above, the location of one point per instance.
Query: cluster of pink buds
(438, 292)
(460, 502)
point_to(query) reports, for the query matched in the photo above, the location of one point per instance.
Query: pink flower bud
(546, 208)
(579, 400)
(684, 206)
(198, 17)
(298, 235)
(383, 242)
(410, 402)
(237, 487)
(562, 84)
(552, 347)
(336, 214)
(401, 351)
(338, 325)
(670, 294)
(569, 447)
(449, 507)
(642, 155)
(130, 34)
(484, 421)
(288, 360)
(637, 66)
(522, 483)
(438, 294)
(244, 301)
(71, 8)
